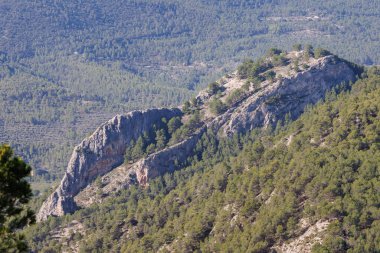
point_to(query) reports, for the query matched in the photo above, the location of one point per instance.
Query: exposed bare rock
(260, 106)
(98, 154)
(288, 95)
(117, 179)
(65, 234)
(159, 163)
(165, 161)
(303, 243)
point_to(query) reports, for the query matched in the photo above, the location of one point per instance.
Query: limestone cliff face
(288, 95)
(259, 107)
(98, 154)
(165, 161)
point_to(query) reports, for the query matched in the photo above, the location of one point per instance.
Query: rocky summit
(278, 88)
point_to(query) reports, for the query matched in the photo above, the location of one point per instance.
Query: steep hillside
(107, 57)
(260, 95)
(309, 185)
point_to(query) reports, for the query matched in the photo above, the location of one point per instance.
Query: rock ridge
(262, 106)
(98, 154)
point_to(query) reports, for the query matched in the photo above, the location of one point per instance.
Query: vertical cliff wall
(98, 154)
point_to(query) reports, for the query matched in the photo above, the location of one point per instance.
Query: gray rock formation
(259, 107)
(289, 95)
(98, 154)
(159, 163)
(166, 160)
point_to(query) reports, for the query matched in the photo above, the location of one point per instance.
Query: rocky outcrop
(166, 160)
(288, 95)
(156, 164)
(261, 106)
(98, 154)
(309, 236)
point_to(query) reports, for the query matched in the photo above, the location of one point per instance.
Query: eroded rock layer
(261, 106)
(98, 154)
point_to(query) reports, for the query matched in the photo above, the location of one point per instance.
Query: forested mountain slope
(132, 30)
(67, 66)
(301, 186)
(154, 142)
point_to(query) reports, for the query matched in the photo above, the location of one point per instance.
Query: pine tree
(15, 193)
(217, 106)
(174, 124)
(161, 139)
(186, 107)
(128, 152)
(138, 149)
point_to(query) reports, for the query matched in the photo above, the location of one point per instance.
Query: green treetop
(15, 193)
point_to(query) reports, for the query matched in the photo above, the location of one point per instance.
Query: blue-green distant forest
(66, 66)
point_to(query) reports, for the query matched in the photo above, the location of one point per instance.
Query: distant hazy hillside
(141, 32)
(66, 66)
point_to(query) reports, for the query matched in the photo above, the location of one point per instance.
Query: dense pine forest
(294, 184)
(66, 67)
(251, 193)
